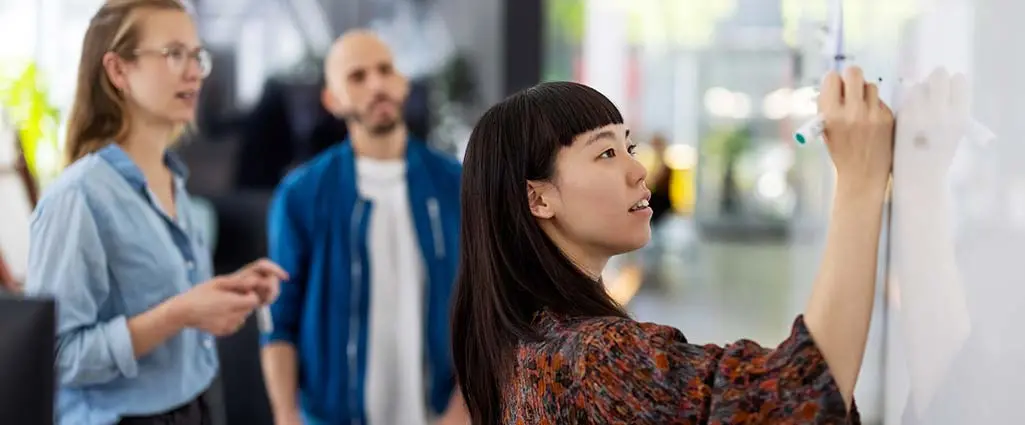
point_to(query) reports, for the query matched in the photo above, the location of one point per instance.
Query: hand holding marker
(813, 129)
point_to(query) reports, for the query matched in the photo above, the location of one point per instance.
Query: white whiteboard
(958, 232)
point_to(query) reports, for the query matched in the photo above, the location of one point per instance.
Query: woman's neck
(591, 264)
(592, 267)
(146, 145)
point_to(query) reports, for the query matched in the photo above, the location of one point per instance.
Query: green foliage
(567, 18)
(25, 100)
(659, 22)
(728, 143)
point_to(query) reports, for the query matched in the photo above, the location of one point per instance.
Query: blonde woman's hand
(218, 306)
(264, 278)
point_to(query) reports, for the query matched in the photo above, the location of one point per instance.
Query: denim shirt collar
(120, 161)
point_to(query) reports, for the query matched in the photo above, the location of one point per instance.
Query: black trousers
(194, 413)
(207, 409)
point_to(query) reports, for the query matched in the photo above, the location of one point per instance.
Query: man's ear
(405, 87)
(328, 100)
(334, 102)
(538, 199)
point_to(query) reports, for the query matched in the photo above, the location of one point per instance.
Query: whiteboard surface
(958, 232)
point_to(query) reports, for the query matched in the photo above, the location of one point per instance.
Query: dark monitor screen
(27, 381)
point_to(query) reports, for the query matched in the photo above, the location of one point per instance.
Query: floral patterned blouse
(618, 371)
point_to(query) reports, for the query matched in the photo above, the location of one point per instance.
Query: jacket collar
(414, 158)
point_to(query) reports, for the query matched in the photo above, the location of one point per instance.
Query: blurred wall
(474, 25)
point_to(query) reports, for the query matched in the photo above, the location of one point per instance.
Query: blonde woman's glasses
(178, 58)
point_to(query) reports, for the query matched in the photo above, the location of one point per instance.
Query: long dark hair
(509, 269)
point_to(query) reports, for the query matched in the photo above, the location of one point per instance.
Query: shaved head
(362, 85)
(352, 48)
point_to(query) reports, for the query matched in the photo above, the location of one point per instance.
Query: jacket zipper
(434, 211)
(439, 239)
(356, 269)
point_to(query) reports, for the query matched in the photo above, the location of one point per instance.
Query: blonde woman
(115, 241)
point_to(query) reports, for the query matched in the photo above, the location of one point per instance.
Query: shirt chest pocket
(146, 267)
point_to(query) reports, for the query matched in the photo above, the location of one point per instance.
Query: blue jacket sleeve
(288, 247)
(67, 262)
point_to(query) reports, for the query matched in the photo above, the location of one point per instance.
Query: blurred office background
(718, 85)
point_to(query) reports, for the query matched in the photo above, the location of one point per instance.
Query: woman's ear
(538, 198)
(114, 68)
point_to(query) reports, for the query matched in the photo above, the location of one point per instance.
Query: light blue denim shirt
(101, 246)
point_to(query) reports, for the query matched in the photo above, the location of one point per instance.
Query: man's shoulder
(443, 159)
(306, 178)
(441, 162)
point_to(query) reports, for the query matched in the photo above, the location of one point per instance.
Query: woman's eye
(632, 150)
(609, 153)
(176, 54)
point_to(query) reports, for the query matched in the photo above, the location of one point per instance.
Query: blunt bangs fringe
(572, 108)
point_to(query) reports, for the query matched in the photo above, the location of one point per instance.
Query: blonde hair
(98, 112)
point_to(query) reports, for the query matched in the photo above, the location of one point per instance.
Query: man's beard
(384, 128)
(378, 129)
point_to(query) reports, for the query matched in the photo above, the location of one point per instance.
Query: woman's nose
(637, 172)
(193, 70)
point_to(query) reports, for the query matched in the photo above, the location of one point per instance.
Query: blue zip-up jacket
(318, 227)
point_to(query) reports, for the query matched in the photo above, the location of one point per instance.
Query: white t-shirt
(395, 391)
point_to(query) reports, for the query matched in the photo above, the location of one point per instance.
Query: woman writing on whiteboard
(551, 191)
(114, 239)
